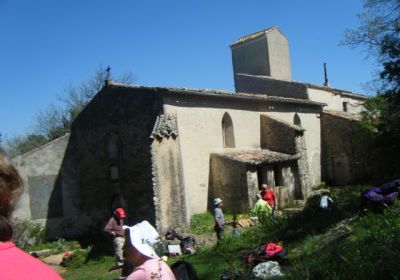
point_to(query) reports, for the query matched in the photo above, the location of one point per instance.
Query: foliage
(1, 144)
(27, 233)
(379, 19)
(18, 145)
(368, 254)
(202, 223)
(379, 32)
(58, 246)
(76, 259)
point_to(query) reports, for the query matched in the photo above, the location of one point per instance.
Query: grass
(95, 269)
(369, 253)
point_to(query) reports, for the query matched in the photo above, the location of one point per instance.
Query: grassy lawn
(370, 252)
(93, 269)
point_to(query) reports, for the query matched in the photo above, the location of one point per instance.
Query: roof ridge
(253, 35)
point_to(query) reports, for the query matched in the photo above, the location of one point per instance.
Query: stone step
(292, 211)
(299, 202)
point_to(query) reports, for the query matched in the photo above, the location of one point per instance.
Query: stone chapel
(165, 153)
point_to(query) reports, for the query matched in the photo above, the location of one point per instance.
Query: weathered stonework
(169, 192)
(130, 115)
(344, 149)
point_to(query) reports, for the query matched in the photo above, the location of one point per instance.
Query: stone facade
(344, 149)
(111, 137)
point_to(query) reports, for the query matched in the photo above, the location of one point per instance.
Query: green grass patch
(96, 269)
(370, 252)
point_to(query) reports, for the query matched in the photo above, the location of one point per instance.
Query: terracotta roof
(255, 156)
(343, 115)
(253, 36)
(165, 126)
(220, 93)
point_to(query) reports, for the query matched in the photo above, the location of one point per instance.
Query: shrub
(75, 259)
(27, 233)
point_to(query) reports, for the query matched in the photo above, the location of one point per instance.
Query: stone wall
(280, 136)
(168, 186)
(200, 133)
(277, 135)
(229, 181)
(269, 86)
(50, 193)
(112, 141)
(344, 151)
(335, 100)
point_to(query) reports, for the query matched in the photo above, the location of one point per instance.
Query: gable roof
(220, 93)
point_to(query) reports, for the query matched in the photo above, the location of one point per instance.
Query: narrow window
(114, 173)
(296, 120)
(227, 132)
(112, 146)
(344, 106)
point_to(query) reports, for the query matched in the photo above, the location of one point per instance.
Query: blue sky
(47, 45)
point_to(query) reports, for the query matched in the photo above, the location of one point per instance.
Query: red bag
(273, 249)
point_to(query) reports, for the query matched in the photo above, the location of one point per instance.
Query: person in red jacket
(115, 228)
(15, 263)
(268, 195)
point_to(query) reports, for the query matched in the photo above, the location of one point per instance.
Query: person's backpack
(188, 244)
(266, 252)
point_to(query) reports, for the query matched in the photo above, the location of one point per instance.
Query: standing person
(114, 227)
(269, 196)
(15, 263)
(261, 209)
(219, 218)
(139, 251)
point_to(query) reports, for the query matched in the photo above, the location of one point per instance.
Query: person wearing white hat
(219, 218)
(139, 250)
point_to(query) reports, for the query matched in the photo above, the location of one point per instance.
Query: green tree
(55, 121)
(18, 145)
(379, 33)
(1, 145)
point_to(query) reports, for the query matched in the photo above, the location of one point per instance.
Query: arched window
(112, 146)
(227, 132)
(296, 120)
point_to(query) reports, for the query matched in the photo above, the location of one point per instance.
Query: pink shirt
(16, 264)
(152, 269)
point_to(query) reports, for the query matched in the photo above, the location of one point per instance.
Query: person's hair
(264, 186)
(10, 187)
(258, 196)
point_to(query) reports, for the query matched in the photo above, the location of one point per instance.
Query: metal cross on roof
(108, 69)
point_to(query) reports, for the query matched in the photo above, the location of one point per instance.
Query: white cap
(217, 201)
(143, 237)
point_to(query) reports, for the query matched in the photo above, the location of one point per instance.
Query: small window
(345, 107)
(112, 146)
(114, 173)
